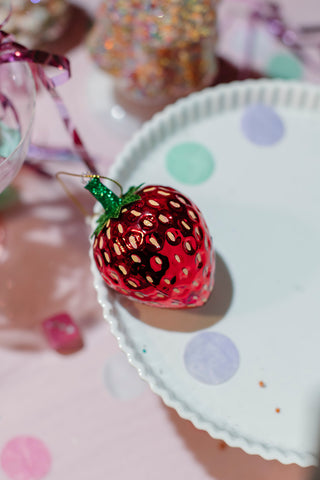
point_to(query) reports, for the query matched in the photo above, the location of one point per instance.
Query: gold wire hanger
(72, 197)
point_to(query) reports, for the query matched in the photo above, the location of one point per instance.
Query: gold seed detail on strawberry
(153, 245)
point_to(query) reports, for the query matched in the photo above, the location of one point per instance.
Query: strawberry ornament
(152, 244)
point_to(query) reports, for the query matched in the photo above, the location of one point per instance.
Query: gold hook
(72, 197)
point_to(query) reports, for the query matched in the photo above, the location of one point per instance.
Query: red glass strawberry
(153, 245)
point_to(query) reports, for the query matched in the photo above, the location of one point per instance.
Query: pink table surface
(94, 415)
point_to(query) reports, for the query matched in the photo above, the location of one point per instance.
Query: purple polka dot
(261, 125)
(25, 458)
(211, 358)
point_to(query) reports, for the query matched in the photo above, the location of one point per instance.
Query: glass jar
(35, 22)
(157, 51)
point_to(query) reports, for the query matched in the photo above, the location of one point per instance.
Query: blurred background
(71, 406)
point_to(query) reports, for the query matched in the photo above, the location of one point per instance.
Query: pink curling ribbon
(11, 51)
(295, 39)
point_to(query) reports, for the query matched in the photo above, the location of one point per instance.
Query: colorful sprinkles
(158, 49)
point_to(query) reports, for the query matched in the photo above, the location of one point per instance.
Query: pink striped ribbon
(11, 51)
(296, 39)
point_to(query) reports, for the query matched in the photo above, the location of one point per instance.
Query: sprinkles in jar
(157, 50)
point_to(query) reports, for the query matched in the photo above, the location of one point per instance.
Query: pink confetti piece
(25, 458)
(62, 333)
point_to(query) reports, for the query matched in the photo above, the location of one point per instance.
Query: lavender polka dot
(211, 358)
(261, 125)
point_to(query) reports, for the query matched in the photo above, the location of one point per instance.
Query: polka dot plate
(245, 367)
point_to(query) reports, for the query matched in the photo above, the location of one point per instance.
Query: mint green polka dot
(190, 163)
(9, 139)
(285, 66)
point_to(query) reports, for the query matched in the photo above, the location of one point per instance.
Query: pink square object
(62, 333)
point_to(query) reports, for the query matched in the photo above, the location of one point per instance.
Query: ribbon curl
(11, 51)
(295, 39)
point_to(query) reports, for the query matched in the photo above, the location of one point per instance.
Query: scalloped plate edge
(242, 90)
